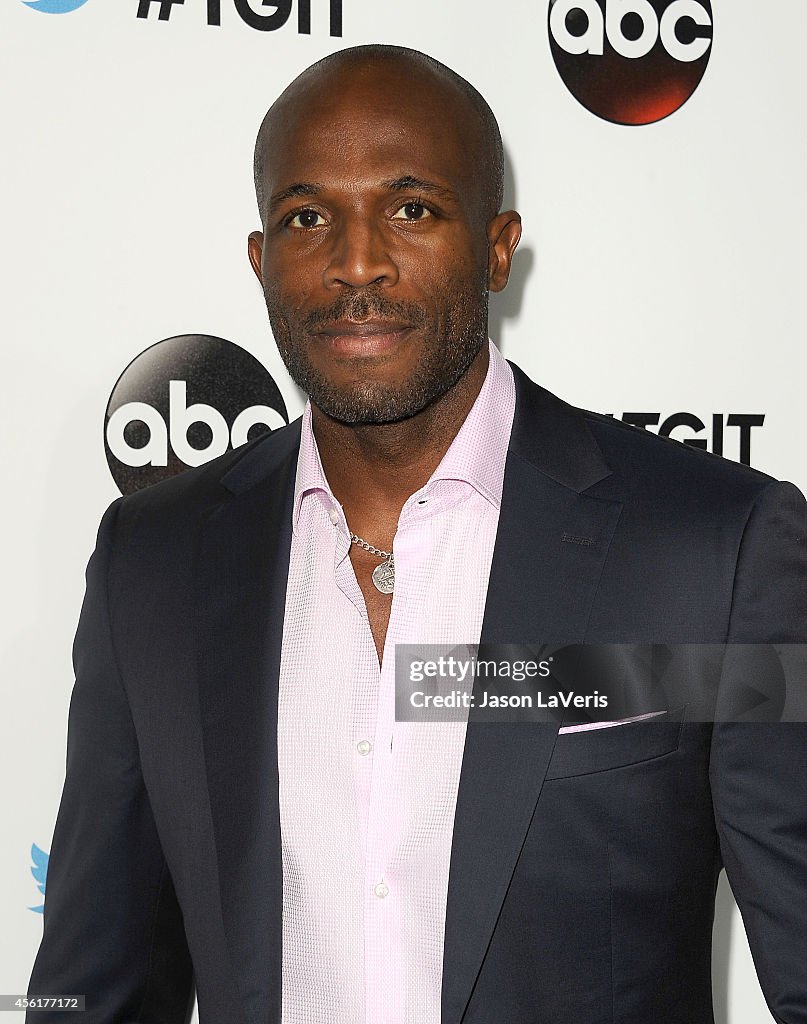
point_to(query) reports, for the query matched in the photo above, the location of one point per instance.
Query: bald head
(403, 72)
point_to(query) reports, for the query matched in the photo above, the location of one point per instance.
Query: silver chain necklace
(384, 574)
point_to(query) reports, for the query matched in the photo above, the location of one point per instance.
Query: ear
(504, 232)
(255, 249)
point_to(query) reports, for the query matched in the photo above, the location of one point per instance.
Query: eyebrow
(300, 189)
(409, 183)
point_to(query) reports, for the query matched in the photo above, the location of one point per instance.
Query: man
(241, 806)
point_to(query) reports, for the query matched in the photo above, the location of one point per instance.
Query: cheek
(459, 279)
(290, 276)
(283, 292)
(440, 270)
(461, 257)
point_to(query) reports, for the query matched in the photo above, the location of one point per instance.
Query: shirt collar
(476, 455)
(310, 474)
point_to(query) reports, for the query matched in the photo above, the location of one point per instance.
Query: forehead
(349, 128)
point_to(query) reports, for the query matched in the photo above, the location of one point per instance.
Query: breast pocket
(582, 752)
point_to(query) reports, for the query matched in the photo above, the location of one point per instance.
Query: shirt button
(334, 515)
(364, 747)
(381, 890)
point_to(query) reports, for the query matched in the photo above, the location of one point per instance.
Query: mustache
(366, 305)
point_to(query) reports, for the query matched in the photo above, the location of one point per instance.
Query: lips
(366, 337)
(363, 328)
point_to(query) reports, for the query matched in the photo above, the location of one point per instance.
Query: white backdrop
(660, 271)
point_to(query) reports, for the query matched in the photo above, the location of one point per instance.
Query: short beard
(452, 344)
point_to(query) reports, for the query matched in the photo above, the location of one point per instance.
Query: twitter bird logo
(40, 868)
(55, 6)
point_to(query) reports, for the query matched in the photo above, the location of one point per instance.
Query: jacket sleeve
(759, 770)
(113, 929)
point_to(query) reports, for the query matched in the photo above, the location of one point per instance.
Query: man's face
(374, 256)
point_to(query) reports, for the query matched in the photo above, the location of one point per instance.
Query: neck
(373, 468)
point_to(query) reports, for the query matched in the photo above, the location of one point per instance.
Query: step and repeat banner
(655, 150)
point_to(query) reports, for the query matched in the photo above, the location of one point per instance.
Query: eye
(305, 219)
(412, 211)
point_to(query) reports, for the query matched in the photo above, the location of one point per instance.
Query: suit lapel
(550, 548)
(242, 571)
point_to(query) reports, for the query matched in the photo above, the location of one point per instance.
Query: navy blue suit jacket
(583, 866)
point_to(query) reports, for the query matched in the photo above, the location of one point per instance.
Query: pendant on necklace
(384, 576)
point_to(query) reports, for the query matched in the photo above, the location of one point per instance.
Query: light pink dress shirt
(367, 803)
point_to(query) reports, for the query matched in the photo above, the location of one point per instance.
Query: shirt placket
(364, 698)
(385, 895)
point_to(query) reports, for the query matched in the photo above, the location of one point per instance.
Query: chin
(371, 405)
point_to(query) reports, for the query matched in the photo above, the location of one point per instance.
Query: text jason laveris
(464, 699)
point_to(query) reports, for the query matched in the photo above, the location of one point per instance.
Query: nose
(360, 255)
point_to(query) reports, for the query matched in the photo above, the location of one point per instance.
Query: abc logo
(183, 402)
(631, 61)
